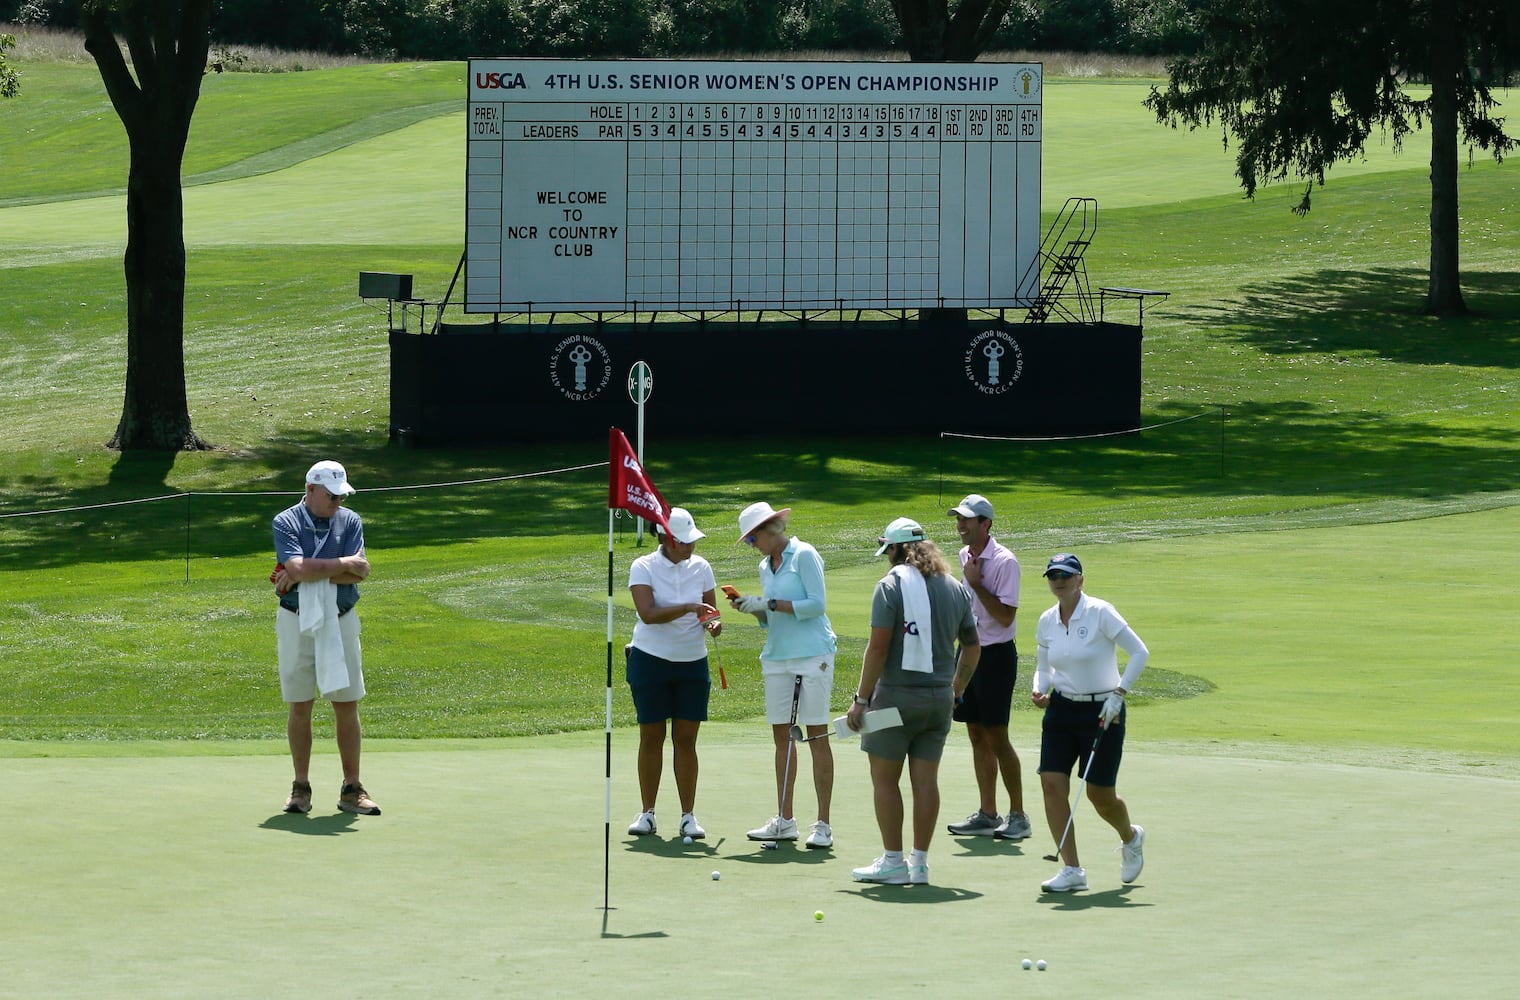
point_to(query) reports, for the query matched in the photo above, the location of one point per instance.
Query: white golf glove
(751, 604)
(1112, 706)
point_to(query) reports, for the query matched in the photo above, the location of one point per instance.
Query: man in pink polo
(991, 572)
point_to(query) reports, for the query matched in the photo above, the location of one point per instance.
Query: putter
(1080, 785)
(786, 771)
(799, 737)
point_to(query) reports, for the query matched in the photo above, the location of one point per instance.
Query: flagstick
(628, 488)
(607, 797)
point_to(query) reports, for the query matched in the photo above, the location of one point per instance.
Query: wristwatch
(862, 701)
(771, 604)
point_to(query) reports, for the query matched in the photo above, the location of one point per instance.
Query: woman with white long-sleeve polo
(797, 662)
(1078, 684)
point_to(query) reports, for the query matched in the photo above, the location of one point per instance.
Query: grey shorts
(926, 723)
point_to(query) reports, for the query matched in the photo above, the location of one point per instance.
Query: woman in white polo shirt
(1078, 684)
(673, 592)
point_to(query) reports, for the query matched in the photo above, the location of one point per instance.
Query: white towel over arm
(918, 629)
(319, 619)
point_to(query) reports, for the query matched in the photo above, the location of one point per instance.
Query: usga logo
(498, 81)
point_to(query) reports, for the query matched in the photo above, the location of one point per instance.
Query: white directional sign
(640, 382)
(645, 185)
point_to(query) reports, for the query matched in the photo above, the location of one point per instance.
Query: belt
(1095, 696)
(295, 612)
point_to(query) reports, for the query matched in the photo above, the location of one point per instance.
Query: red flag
(628, 488)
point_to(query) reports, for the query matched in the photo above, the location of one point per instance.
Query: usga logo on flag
(628, 488)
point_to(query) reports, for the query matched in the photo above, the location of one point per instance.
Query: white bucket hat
(683, 528)
(757, 514)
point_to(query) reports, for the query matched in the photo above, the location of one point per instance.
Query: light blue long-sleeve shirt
(806, 631)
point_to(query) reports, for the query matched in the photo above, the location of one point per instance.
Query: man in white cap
(319, 563)
(991, 572)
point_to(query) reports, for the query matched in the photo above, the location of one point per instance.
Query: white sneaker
(1016, 827)
(691, 828)
(918, 874)
(1068, 879)
(1132, 856)
(821, 837)
(643, 826)
(776, 829)
(884, 871)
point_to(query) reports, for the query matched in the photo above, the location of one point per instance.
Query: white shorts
(298, 658)
(817, 673)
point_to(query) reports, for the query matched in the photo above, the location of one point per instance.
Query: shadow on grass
(919, 894)
(1288, 449)
(610, 935)
(309, 825)
(1233, 448)
(672, 847)
(1374, 313)
(784, 853)
(986, 847)
(1111, 899)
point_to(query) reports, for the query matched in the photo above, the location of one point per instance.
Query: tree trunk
(1445, 294)
(155, 99)
(931, 34)
(155, 413)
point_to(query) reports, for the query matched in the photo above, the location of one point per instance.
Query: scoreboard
(676, 185)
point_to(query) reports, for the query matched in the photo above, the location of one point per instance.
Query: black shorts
(665, 689)
(1066, 738)
(989, 696)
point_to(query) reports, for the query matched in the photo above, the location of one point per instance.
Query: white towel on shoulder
(319, 619)
(918, 642)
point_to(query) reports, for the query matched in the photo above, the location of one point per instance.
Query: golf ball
(1028, 964)
(715, 876)
(817, 914)
(685, 840)
(1040, 965)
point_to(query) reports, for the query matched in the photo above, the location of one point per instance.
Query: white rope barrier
(279, 493)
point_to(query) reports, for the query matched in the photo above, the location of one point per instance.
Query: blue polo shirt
(297, 533)
(806, 631)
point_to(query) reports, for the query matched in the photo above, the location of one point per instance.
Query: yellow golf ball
(817, 914)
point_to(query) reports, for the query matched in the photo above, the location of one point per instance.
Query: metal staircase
(1061, 262)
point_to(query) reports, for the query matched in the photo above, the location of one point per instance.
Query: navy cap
(1064, 561)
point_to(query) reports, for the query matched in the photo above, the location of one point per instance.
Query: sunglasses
(749, 539)
(1060, 574)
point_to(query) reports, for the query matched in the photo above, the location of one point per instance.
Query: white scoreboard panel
(644, 185)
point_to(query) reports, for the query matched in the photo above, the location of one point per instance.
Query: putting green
(177, 876)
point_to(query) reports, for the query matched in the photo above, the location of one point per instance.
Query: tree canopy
(1299, 85)
(10, 83)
